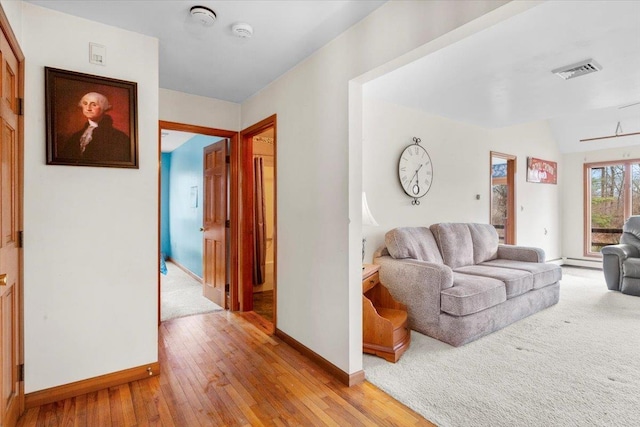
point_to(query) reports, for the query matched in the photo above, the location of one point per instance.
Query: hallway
(217, 369)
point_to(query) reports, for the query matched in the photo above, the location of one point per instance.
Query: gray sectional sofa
(459, 284)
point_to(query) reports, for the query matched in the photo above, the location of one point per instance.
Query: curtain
(259, 222)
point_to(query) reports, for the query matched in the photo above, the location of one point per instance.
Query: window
(612, 191)
(503, 190)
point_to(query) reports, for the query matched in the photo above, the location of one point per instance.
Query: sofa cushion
(412, 242)
(455, 243)
(516, 282)
(543, 274)
(485, 242)
(471, 294)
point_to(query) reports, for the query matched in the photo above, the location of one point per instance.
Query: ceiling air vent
(577, 70)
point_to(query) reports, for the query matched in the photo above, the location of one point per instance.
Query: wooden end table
(384, 320)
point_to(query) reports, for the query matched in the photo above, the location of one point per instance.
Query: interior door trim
(233, 188)
(246, 248)
(510, 230)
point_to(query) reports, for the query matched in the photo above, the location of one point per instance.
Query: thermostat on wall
(97, 54)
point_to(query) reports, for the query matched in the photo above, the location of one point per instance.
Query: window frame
(628, 202)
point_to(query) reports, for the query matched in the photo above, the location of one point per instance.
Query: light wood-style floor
(217, 369)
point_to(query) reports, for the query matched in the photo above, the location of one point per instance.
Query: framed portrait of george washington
(90, 120)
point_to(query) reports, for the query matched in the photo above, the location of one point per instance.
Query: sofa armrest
(416, 284)
(612, 258)
(381, 251)
(520, 253)
(622, 251)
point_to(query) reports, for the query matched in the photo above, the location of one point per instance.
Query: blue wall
(184, 218)
(165, 237)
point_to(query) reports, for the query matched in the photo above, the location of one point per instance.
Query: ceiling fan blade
(630, 105)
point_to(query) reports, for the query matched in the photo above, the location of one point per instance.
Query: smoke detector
(203, 15)
(242, 30)
(576, 70)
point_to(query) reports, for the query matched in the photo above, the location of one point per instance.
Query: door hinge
(227, 159)
(20, 106)
(21, 372)
(20, 238)
(227, 224)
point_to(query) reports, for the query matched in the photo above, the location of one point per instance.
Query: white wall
(197, 110)
(460, 154)
(90, 285)
(319, 171)
(13, 11)
(91, 234)
(573, 190)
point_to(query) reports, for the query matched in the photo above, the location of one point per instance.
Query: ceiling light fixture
(203, 15)
(242, 30)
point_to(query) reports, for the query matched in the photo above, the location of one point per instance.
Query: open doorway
(182, 278)
(503, 212)
(259, 283)
(264, 205)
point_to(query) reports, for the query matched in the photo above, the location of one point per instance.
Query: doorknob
(3, 280)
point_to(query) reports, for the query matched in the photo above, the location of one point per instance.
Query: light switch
(97, 54)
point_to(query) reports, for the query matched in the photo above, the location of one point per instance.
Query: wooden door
(214, 218)
(246, 221)
(12, 392)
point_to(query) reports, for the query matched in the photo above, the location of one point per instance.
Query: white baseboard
(575, 262)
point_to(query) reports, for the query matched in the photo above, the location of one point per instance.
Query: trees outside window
(613, 191)
(499, 194)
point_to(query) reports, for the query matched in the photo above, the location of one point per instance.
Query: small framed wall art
(90, 120)
(542, 171)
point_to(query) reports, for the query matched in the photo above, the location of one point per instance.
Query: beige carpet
(181, 295)
(574, 364)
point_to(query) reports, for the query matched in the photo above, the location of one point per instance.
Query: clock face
(415, 171)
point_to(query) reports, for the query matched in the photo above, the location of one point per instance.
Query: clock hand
(415, 174)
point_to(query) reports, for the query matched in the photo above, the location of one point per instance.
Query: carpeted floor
(574, 364)
(181, 295)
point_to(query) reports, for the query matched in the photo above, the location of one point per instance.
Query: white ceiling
(211, 61)
(498, 77)
(172, 139)
(502, 75)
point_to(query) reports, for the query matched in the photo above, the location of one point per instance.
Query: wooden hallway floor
(217, 369)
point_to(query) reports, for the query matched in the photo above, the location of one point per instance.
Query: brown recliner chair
(621, 263)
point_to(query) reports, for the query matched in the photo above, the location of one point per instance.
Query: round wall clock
(415, 171)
